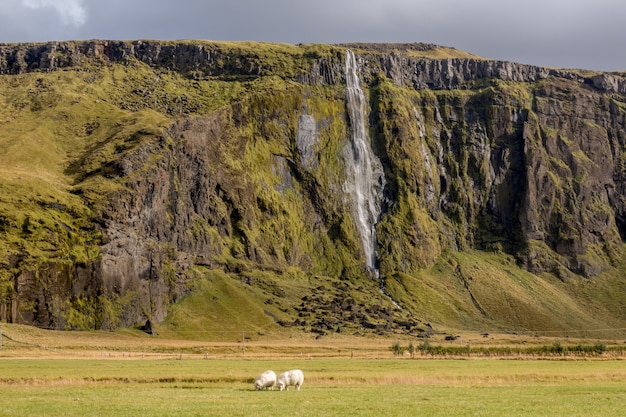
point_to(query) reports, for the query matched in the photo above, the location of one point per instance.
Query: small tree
(424, 347)
(397, 349)
(411, 349)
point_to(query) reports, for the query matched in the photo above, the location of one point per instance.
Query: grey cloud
(70, 11)
(559, 33)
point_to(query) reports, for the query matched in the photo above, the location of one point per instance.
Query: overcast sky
(588, 34)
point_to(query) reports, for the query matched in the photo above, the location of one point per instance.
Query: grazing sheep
(294, 377)
(266, 380)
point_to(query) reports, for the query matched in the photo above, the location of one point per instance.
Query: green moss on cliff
(200, 165)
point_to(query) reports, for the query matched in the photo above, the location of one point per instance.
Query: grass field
(51, 373)
(333, 387)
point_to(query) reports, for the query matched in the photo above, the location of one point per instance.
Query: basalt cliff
(130, 170)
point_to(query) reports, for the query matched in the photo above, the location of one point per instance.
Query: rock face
(214, 59)
(477, 154)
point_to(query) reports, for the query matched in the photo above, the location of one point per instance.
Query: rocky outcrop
(533, 175)
(208, 58)
(572, 153)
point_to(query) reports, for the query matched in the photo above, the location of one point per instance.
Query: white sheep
(294, 377)
(266, 380)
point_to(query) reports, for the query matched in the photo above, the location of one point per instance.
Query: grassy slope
(499, 298)
(57, 129)
(484, 291)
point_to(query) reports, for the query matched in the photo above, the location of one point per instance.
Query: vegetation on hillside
(196, 176)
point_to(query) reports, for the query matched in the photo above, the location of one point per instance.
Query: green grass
(332, 388)
(468, 290)
(57, 131)
(266, 305)
(219, 308)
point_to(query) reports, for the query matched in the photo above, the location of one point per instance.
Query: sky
(586, 34)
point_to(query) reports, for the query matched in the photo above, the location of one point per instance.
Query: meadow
(141, 386)
(129, 373)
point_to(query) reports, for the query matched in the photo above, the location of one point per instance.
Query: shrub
(411, 349)
(397, 349)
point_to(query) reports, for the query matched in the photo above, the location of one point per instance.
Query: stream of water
(365, 179)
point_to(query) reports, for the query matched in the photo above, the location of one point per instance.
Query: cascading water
(364, 179)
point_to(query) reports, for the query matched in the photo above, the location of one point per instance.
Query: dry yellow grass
(20, 341)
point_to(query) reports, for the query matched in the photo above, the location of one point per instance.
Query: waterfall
(364, 177)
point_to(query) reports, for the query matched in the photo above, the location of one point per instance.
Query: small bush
(556, 349)
(397, 349)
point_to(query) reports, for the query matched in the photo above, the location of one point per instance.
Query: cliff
(405, 64)
(132, 167)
